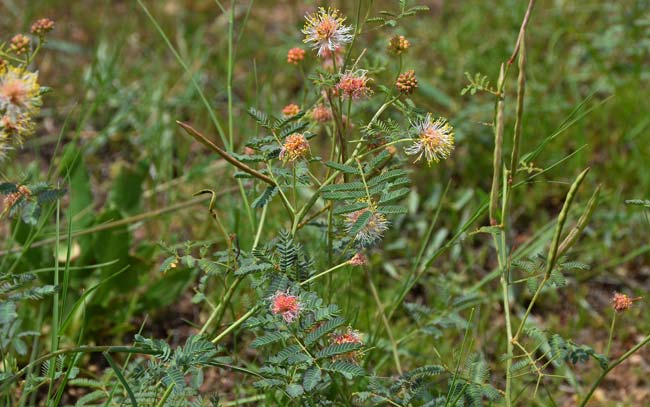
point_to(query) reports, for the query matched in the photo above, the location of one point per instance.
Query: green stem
(553, 249)
(235, 324)
(389, 332)
(166, 394)
(81, 349)
(54, 340)
(611, 335)
(355, 154)
(231, 62)
(312, 278)
(612, 366)
(498, 146)
(500, 244)
(221, 307)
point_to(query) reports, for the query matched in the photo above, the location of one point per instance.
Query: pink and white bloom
(372, 231)
(354, 85)
(325, 30)
(435, 139)
(285, 304)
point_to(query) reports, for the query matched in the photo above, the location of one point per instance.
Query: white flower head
(325, 30)
(434, 140)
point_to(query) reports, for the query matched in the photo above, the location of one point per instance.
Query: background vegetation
(118, 91)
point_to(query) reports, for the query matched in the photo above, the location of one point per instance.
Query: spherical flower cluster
(295, 147)
(354, 85)
(372, 231)
(435, 139)
(295, 55)
(321, 113)
(286, 305)
(19, 92)
(622, 302)
(325, 30)
(348, 336)
(20, 101)
(19, 44)
(42, 27)
(291, 110)
(407, 82)
(359, 259)
(398, 44)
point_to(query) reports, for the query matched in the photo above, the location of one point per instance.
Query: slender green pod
(521, 91)
(571, 238)
(498, 147)
(553, 250)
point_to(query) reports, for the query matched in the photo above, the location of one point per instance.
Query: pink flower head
(290, 110)
(295, 55)
(354, 85)
(622, 302)
(321, 113)
(348, 336)
(295, 147)
(285, 304)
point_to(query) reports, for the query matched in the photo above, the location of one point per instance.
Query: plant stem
(612, 366)
(220, 308)
(166, 394)
(312, 278)
(231, 62)
(54, 340)
(224, 154)
(611, 335)
(235, 324)
(500, 244)
(498, 146)
(380, 309)
(553, 249)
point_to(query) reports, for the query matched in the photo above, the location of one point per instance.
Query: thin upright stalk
(498, 147)
(611, 367)
(231, 63)
(611, 335)
(235, 324)
(381, 309)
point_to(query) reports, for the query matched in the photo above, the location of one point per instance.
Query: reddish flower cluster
(354, 85)
(348, 336)
(321, 113)
(42, 27)
(407, 82)
(622, 302)
(295, 55)
(286, 305)
(291, 110)
(19, 44)
(398, 44)
(295, 146)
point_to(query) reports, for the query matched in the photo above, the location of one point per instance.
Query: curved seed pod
(571, 238)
